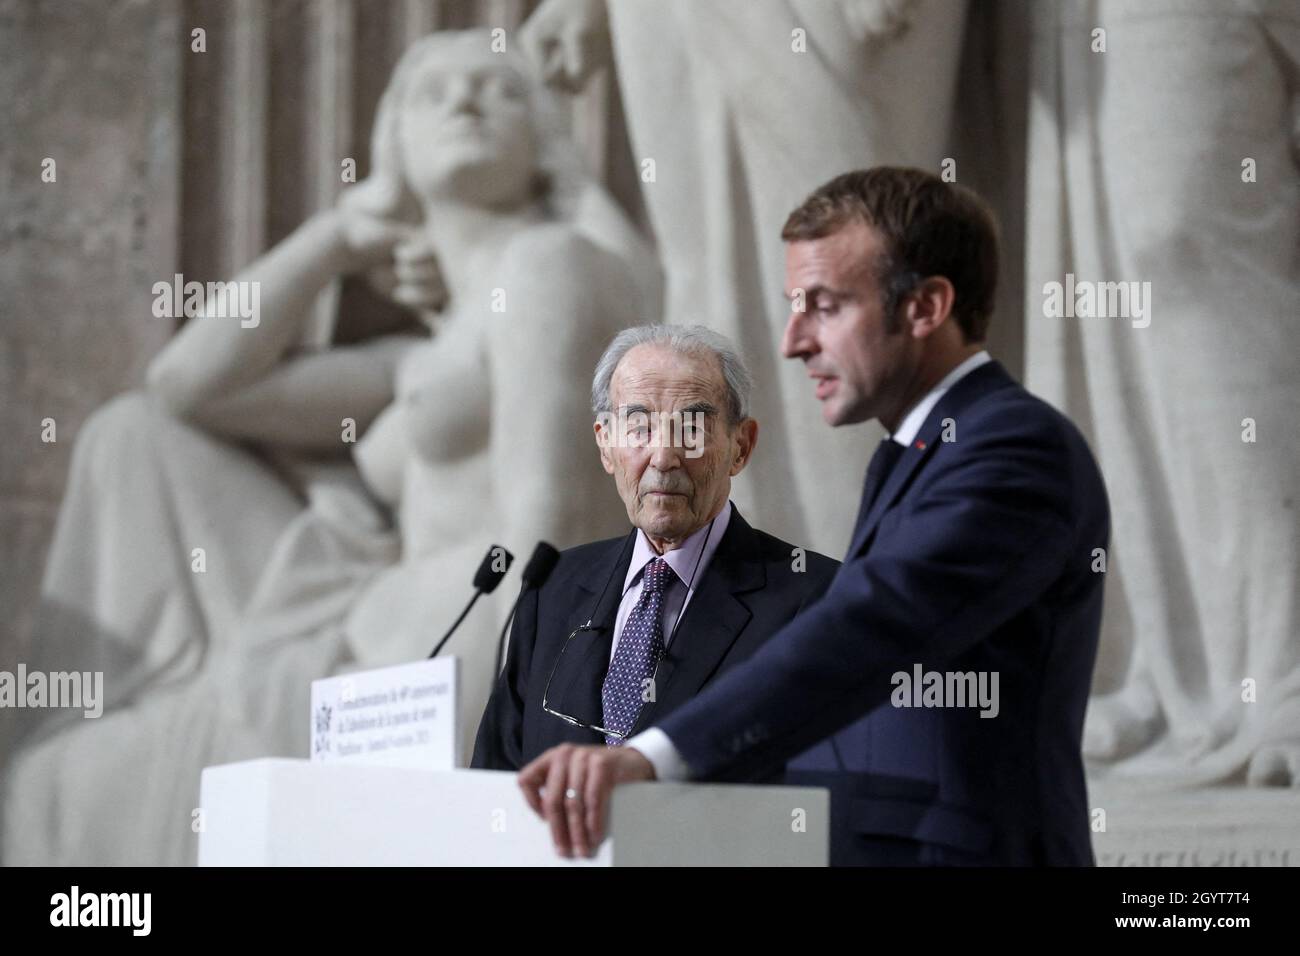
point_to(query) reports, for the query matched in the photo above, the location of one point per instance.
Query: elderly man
(974, 557)
(624, 631)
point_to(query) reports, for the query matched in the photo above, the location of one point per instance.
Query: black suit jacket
(977, 556)
(747, 593)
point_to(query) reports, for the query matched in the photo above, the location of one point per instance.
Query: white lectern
(278, 812)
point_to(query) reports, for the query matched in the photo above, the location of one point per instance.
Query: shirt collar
(914, 419)
(692, 558)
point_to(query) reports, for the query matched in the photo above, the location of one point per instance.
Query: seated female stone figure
(223, 541)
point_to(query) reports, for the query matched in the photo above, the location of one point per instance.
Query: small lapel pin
(920, 444)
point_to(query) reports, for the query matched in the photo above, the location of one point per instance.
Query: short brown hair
(929, 227)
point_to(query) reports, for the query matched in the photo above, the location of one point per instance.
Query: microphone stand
(452, 629)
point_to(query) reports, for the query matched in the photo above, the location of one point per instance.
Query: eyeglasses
(654, 675)
(619, 735)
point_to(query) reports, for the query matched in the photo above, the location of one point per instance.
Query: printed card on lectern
(403, 716)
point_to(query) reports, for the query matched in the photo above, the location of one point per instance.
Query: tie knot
(656, 576)
(883, 461)
(890, 451)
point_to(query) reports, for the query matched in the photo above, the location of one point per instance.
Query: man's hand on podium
(569, 786)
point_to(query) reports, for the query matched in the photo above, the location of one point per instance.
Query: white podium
(278, 812)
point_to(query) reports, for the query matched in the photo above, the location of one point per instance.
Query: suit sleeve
(987, 533)
(500, 739)
(824, 576)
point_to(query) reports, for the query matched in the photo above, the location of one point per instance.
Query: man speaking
(982, 518)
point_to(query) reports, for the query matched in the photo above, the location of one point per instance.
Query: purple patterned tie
(639, 647)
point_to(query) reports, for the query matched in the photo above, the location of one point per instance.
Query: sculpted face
(862, 370)
(672, 482)
(464, 130)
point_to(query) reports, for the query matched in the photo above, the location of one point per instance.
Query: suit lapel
(969, 389)
(712, 621)
(920, 449)
(575, 689)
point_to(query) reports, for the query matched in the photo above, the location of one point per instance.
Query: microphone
(536, 571)
(486, 579)
(540, 565)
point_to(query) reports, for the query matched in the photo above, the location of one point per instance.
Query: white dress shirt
(689, 562)
(655, 745)
(915, 418)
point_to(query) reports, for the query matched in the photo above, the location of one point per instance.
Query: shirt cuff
(657, 747)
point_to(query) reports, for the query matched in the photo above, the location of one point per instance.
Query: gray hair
(686, 339)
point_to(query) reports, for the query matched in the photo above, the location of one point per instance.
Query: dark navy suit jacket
(752, 587)
(976, 556)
